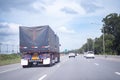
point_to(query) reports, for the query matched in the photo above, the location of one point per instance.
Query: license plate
(35, 57)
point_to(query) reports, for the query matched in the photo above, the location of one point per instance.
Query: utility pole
(7, 48)
(103, 39)
(12, 48)
(93, 45)
(87, 45)
(104, 42)
(17, 49)
(0, 47)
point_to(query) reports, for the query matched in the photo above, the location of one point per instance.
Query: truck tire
(25, 66)
(58, 59)
(49, 65)
(50, 61)
(30, 64)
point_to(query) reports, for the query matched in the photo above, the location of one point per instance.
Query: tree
(109, 39)
(98, 45)
(88, 46)
(112, 26)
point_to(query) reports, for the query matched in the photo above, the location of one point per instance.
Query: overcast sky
(70, 19)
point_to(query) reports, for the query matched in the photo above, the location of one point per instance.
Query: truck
(39, 45)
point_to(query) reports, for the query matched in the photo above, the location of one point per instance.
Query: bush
(9, 59)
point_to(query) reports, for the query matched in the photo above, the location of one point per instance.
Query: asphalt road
(77, 68)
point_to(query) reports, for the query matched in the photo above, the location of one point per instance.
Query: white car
(89, 54)
(71, 55)
(85, 53)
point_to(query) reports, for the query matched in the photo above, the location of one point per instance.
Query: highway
(78, 68)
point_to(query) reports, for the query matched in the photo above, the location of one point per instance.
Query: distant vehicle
(72, 55)
(89, 54)
(85, 53)
(77, 54)
(39, 46)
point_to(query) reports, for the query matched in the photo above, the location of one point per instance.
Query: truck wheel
(50, 61)
(58, 59)
(30, 64)
(25, 66)
(49, 65)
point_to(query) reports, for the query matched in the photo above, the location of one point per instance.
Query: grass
(6, 59)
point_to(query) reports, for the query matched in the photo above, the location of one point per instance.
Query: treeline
(109, 41)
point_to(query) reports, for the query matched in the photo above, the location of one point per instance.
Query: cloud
(68, 10)
(10, 28)
(7, 5)
(75, 17)
(8, 32)
(65, 30)
(38, 6)
(60, 8)
(3, 25)
(90, 6)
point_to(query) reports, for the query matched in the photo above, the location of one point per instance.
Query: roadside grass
(6, 59)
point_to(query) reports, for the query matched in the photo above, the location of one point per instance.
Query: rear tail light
(34, 47)
(23, 47)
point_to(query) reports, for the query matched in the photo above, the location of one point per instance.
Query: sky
(74, 21)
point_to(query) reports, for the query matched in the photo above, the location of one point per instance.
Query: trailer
(39, 46)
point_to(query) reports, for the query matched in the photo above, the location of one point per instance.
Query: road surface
(77, 68)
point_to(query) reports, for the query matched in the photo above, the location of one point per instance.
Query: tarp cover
(38, 39)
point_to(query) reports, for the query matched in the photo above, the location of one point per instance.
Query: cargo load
(38, 44)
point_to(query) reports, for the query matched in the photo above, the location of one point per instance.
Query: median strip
(41, 78)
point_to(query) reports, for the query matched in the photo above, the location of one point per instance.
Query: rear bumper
(39, 61)
(24, 62)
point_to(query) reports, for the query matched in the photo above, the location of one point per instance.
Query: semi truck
(39, 45)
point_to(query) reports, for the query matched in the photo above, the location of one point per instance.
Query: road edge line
(9, 70)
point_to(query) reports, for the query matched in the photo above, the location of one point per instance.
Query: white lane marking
(41, 78)
(118, 73)
(9, 70)
(96, 64)
(58, 65)
(64, 61)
